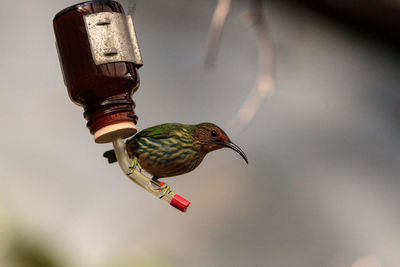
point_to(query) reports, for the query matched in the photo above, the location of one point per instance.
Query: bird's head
(211, 137)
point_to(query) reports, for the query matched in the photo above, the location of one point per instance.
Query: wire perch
(145, 182)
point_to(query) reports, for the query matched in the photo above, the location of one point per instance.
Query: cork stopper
(111, 132)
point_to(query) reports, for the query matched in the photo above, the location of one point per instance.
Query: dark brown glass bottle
(103, 90)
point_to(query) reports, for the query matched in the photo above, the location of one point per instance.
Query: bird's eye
(214, 133)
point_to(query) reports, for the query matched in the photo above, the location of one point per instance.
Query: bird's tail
(110, 156)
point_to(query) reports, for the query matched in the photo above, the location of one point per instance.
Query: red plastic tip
(180, 203)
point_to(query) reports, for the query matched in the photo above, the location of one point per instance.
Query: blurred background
(322, 187)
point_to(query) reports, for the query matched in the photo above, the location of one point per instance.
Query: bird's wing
(161, 131)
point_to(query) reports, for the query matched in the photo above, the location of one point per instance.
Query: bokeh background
(322, 187)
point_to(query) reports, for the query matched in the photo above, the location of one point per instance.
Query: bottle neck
(102, 116)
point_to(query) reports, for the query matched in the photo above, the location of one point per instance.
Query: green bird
(173, 149)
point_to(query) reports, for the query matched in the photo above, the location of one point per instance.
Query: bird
(173, 149)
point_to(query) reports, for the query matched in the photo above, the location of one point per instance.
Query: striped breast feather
(164, 147)
(167, 157)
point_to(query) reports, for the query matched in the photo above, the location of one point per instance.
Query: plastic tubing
(143, 181)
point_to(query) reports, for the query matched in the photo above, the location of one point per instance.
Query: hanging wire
(264, 84)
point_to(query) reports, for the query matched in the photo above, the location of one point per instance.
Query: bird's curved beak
(234, 147)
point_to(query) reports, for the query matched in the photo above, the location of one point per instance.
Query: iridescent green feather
(166, 130)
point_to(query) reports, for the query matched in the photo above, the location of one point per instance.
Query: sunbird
(173, 149)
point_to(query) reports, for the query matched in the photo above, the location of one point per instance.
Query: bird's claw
(165, 188)
(135, 164)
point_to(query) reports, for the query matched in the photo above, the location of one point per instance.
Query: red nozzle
(178, 202)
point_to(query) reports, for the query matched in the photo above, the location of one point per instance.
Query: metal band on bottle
(112, 38)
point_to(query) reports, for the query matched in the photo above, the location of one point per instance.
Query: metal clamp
(112, 38)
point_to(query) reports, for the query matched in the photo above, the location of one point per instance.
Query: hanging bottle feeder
(100, 58)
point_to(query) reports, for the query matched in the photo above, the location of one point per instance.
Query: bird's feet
(135, 164)
(162, 187)
(165, 188)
